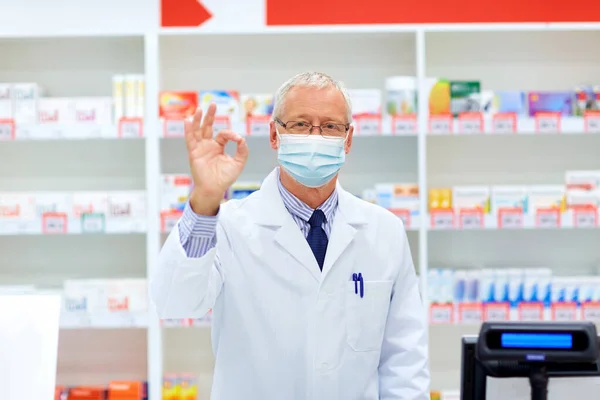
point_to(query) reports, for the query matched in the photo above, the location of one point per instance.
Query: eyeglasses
(328, 130)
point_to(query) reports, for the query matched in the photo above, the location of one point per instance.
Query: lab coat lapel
(346, 222)
(288, 236)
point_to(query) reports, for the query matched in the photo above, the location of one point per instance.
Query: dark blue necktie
(317, 239)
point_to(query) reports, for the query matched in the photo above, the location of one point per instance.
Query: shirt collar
(298, 208)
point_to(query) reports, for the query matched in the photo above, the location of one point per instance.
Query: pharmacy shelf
(510, 124)
(127, 129)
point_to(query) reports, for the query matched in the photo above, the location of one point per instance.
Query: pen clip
(362, 285)
(355, 279)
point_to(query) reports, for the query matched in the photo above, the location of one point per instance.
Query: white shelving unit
(78, 59)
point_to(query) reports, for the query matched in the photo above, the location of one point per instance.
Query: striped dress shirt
(197, 233)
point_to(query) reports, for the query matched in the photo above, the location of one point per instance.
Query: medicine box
(585, 180)
(6, 101)
(365, 101)
(398, 196)
(177, 105)
(582, 199)
(465, 96)
(401, 95)
(89, 203)
(471, 198)
(440, 199)
(93, 110)
(227, 102)
(241, 190)
(26, 102)
(555, 102)
(508, 197)
(175, 191)
(546, 197)
(56, 110)
(510, 102)
(256, 105)
(584, 100)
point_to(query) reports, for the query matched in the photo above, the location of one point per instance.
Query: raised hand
(213, 171)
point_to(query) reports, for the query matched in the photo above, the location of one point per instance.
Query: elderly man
(313, 291)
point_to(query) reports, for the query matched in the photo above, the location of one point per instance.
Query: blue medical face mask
(311, 160)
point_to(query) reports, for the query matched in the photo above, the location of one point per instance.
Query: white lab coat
(284, 330)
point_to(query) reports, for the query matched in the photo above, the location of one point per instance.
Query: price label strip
(131, 128)
(585, 218)
(442, 219)
(564, 312)
(504, 123)
(592, 122)
(54, 223)
(174, 128)
(510, 218)
(368, 125)
(591, 311)
(497, 312)
(440, 124)
(548, 218)
(404, 125)
(442, 313)
(93, 223)
(7, 129)
(470, 313)
(548, 122)
(470, 123)
(531, 312)
(471, 219)
(258, 126)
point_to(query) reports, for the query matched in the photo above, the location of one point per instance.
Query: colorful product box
(596, 90)
(175, 191)
(241, 190)
(554, 102)
(170, 388)
(510, 102)
(188, 387)
(585, 100)
(256, 105)
(439, 96)
(471, 198)
(440, 199)
(401, 95)
(398, 196)
(177, 105)
(509, 197)
(227, 101)
(465, 96)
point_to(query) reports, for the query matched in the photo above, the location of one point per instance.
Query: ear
(273, 140)
(348, 143)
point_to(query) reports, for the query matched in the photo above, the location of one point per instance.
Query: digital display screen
(517, 340)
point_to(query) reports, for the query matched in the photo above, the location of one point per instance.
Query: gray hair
(310, 79)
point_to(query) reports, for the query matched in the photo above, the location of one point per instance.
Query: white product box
(515, 283)
(93, 110)
(55, 110)
(175, 191)
(118, 82)
(126, 211)
(583, 180)
(471, 198)
(460, 286)
(401, 95)
(6, 101)
(128, 295)
(433, 286)
(52, 202)
(446, 286)
(88, 203)
(256, 105)
(85, 295)
(508, 197)
(546, 197)
(17, 206)
(501, 285)
(26, 102)
(580, 198)
(536, 285)
(365, 101)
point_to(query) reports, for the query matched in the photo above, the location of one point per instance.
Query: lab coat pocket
(366, 316)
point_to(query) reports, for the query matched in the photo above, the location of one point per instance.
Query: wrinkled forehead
(321, 104)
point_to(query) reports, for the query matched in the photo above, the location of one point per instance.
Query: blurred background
(479, 126)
